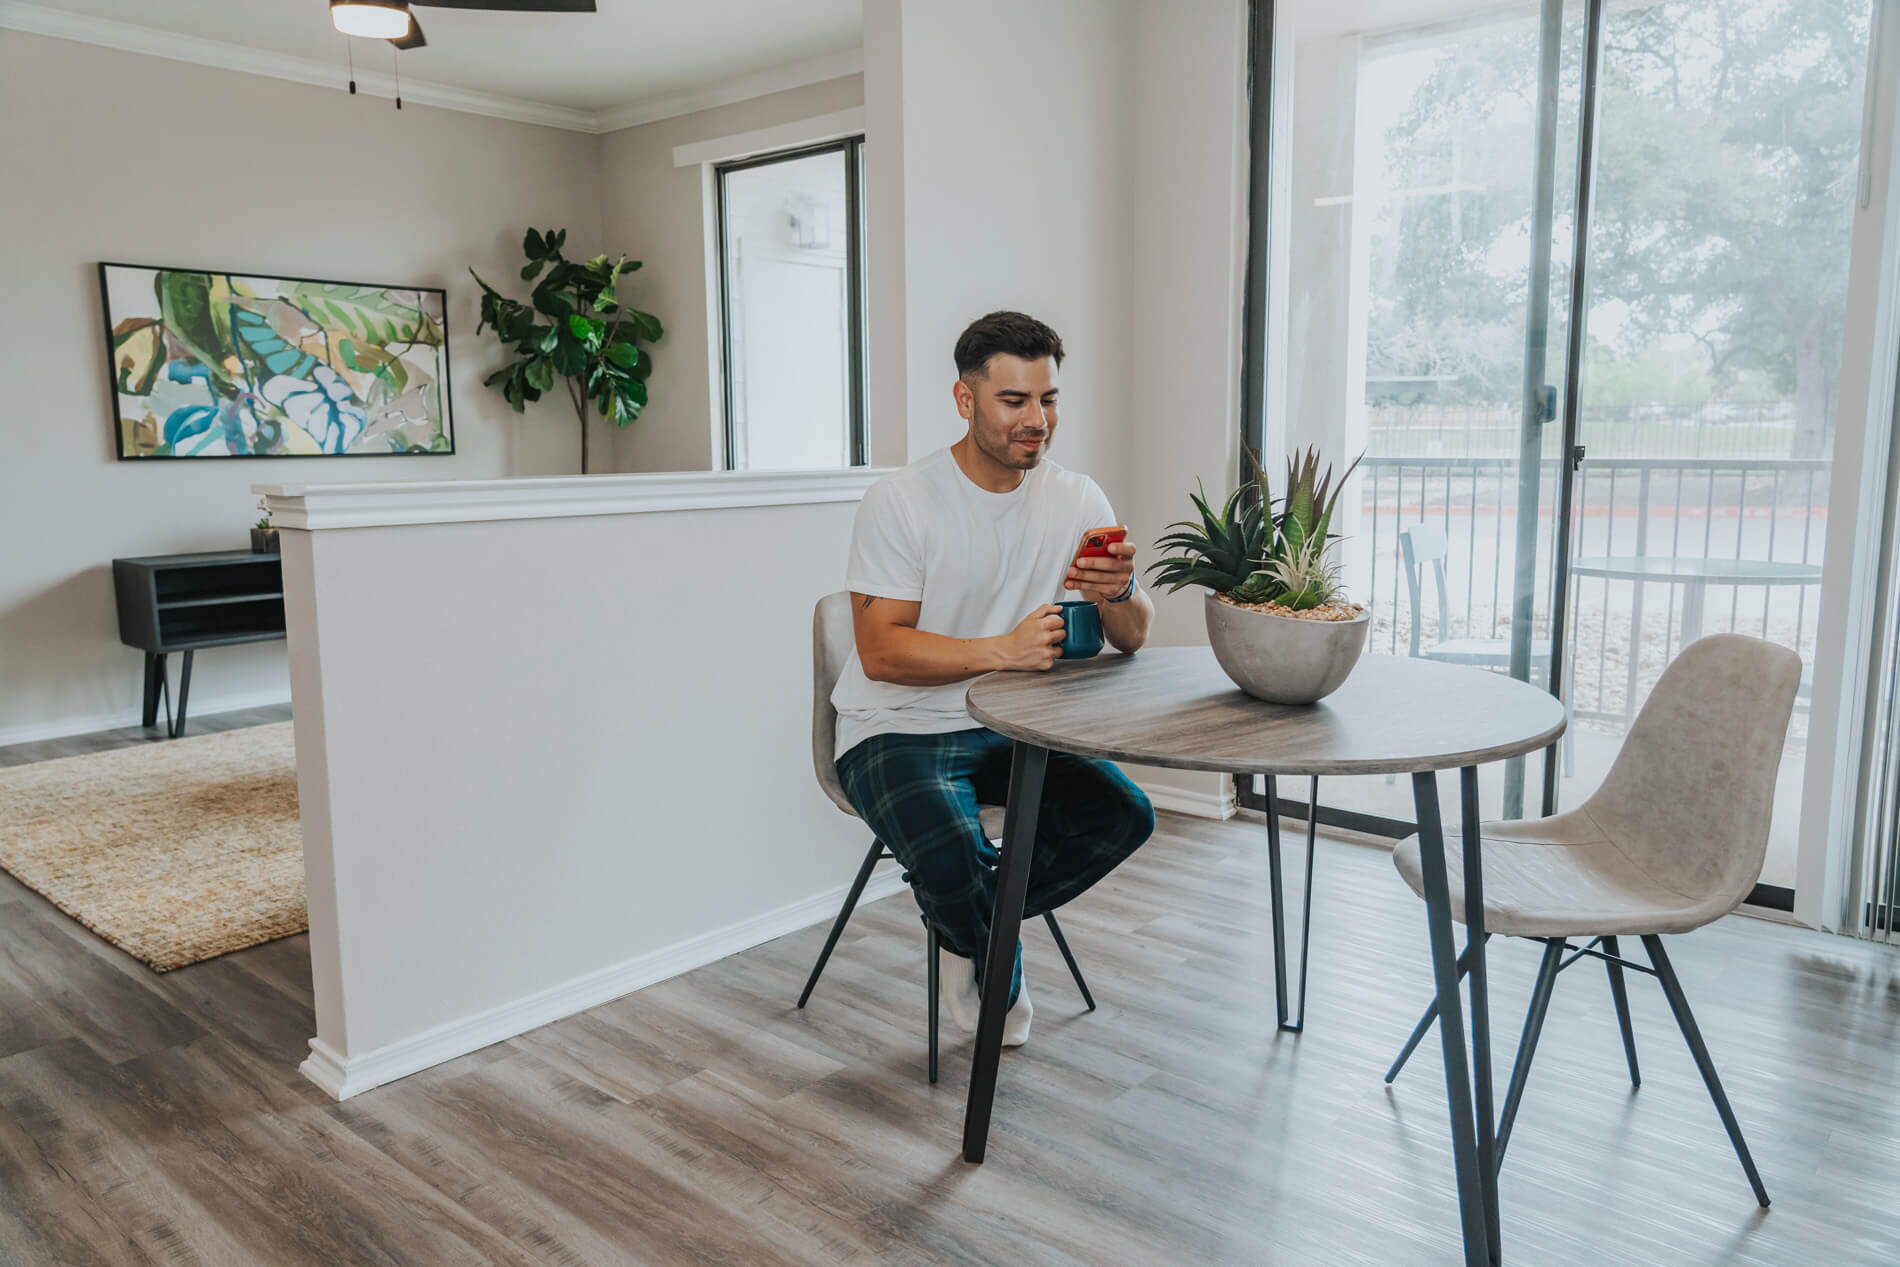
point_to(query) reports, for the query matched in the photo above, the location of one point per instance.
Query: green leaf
(647, 324)
(570, 358)
(624, 355)
(552, 300)
(364, 311)
(534, 246)
(586, 329)
(540, 373)
(184, 305)
(531, 271)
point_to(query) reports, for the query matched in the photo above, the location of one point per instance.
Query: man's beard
(1004, 456)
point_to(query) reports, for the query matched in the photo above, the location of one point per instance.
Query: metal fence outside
(1710, 508)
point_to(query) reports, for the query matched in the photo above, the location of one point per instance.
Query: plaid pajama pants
(919, 794)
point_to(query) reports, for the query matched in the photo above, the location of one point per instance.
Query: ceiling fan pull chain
(395, 57)
(350, 45)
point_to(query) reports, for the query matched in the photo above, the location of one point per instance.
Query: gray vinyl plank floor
(159, 1119)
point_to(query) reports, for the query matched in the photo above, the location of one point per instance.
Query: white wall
(654, 211)
(1010, 121)
(115, 156)
(590, 769)
(1186, 252)
(1083, 161)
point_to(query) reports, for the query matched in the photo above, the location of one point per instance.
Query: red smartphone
(1095, 544)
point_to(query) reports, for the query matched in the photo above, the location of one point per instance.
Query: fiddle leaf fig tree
(573, 328)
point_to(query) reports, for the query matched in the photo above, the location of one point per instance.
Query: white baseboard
(201, 706)
(1187, 801)
(344, 1076)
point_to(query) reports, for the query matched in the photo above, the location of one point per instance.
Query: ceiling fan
(391, 20)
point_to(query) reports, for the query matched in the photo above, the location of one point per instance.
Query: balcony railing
(1746, 508)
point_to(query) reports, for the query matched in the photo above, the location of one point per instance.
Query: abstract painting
(224, 365)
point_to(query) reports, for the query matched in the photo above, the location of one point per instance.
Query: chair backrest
(1420, 544)
(832, 641)
(1689, 795)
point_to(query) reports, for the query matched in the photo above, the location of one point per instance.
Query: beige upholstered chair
(832, 641)
(1673, 839)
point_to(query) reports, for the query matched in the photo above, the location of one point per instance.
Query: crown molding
(125, 36)
(37, 19)
(813, 70)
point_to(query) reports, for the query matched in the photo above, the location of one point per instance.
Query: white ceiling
(630, 52)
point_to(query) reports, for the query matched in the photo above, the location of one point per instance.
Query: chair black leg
(1075, 969)
(1622, 1010)
(844, 916)
(930, 957)
(1527, 1045)
(1425, 1022)
(1672, 989)
(1419, 1031)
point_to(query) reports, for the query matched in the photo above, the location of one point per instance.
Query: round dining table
(1174, 708)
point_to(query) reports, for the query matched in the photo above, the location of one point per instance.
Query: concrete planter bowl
(1282, 659)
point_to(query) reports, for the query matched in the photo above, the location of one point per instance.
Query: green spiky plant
(1257, 550)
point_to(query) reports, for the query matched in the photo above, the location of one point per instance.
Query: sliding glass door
(1571, 534)
(1433, 175)
(1728, 157)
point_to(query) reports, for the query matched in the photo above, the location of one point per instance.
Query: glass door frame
(1263, 415)
(1857, 577)
(1836, 773)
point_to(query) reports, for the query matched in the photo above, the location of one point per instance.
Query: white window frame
(712, 155)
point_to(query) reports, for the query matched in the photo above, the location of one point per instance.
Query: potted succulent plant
(1277, 618)
(263, 536)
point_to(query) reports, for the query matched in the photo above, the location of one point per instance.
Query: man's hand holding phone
(1104, 564)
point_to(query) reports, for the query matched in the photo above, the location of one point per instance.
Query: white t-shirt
(977, 561)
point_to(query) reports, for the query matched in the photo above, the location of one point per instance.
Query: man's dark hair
(1005, 332)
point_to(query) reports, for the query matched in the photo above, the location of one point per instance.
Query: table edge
(1394, 765)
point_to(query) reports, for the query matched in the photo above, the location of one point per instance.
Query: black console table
(184, 602)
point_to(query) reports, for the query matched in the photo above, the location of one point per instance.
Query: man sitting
(954, 561)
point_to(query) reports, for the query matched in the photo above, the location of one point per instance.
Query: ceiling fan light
(371, 19)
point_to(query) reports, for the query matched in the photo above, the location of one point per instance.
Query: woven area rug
(174, 851)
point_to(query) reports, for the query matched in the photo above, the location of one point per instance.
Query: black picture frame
(117, 418)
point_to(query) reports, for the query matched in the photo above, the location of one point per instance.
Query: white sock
(1016, 1020)
(956, 983)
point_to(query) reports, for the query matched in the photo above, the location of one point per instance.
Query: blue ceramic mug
(1082, 629)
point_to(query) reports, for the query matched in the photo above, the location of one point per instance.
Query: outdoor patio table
(1175, 708)
(1695, 575)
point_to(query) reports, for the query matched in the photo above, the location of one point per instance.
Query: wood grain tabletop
(1173, 707)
